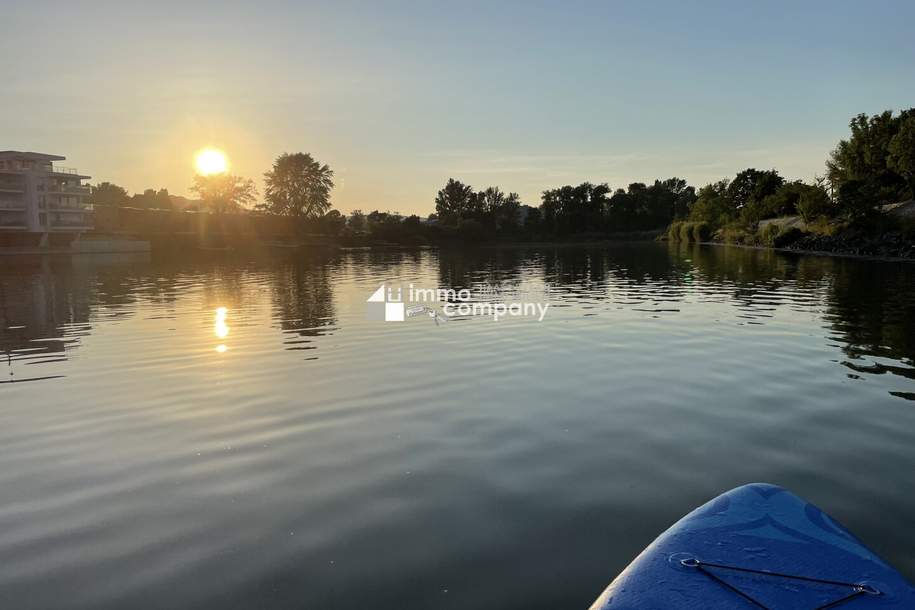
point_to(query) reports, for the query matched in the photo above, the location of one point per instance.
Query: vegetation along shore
(862, 205)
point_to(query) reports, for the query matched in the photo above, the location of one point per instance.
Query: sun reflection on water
(220, 328)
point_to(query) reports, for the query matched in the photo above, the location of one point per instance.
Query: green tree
(298, 185)
(751, 186)
(714, 205)
(108, 194)
(224, 192)
(814, 202)
(856, 198)
(869, 161)
(901, 157)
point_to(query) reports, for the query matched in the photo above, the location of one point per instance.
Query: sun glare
(211, 161)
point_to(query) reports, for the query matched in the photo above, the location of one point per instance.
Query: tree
(356, 221)
(224, 192)
(683, 195)
(152, 200)
(574, 209)
(507, 215)
(856, 198)
(814, 203)
(455, 201)
(902, 151)
(532, 221)
(332, 223)
(298, 185)
(714, 204)
(108, 194)
(751, 186)
(871, 161)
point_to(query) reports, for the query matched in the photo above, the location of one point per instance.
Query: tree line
(873, 166)
(297, 185)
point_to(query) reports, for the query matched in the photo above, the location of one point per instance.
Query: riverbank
(888, 235)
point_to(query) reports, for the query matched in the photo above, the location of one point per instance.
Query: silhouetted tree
(108, 194)
(455, 201)
(298, 185)
(332, 223)
(224, 192)
(356, 221)
(152, 200)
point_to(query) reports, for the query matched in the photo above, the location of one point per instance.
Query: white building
(41, 198)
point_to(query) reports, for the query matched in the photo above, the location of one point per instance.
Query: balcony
(67, 189)
(65, 207)
(59, 169)
(68, 220)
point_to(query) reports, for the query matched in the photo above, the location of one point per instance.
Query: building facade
(46, 201)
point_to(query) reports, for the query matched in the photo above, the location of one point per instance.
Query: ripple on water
(203, 433)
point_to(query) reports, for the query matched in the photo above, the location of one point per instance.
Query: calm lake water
(158, 451)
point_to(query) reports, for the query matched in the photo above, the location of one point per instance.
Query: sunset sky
(397, 97)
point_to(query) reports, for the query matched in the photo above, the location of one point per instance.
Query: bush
(768, 234)
(673, 231)
(685, 231)
(857, 199)
(786, 238)
(735, 234)
(814, 203)
(688, 231)
(699, 231)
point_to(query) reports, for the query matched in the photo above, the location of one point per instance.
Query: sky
(397, 97)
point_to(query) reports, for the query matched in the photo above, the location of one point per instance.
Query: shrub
(768, 234)
(735, 234)
(685, 231)
(673, 231)
(857, 199)
(814, 203)
(786, 238)
(700, 231)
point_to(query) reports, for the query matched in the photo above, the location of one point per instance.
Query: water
(157, 451)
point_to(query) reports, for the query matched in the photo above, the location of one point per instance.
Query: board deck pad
(757, 546)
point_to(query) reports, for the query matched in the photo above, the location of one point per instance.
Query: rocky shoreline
(854, 243)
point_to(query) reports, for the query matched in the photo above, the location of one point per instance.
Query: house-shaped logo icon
(386, 304)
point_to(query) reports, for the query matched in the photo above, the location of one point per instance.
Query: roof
(34, 156)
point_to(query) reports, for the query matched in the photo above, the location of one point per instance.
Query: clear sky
(397, 97)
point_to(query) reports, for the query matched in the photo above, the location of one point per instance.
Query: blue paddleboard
(757, 546)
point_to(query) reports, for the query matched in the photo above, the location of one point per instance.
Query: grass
(685, 231)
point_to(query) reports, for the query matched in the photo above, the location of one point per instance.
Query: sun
(211, 161)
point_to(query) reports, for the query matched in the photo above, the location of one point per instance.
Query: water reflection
(220, 328)
(47, 305)
(517, 464)
(304, 301)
